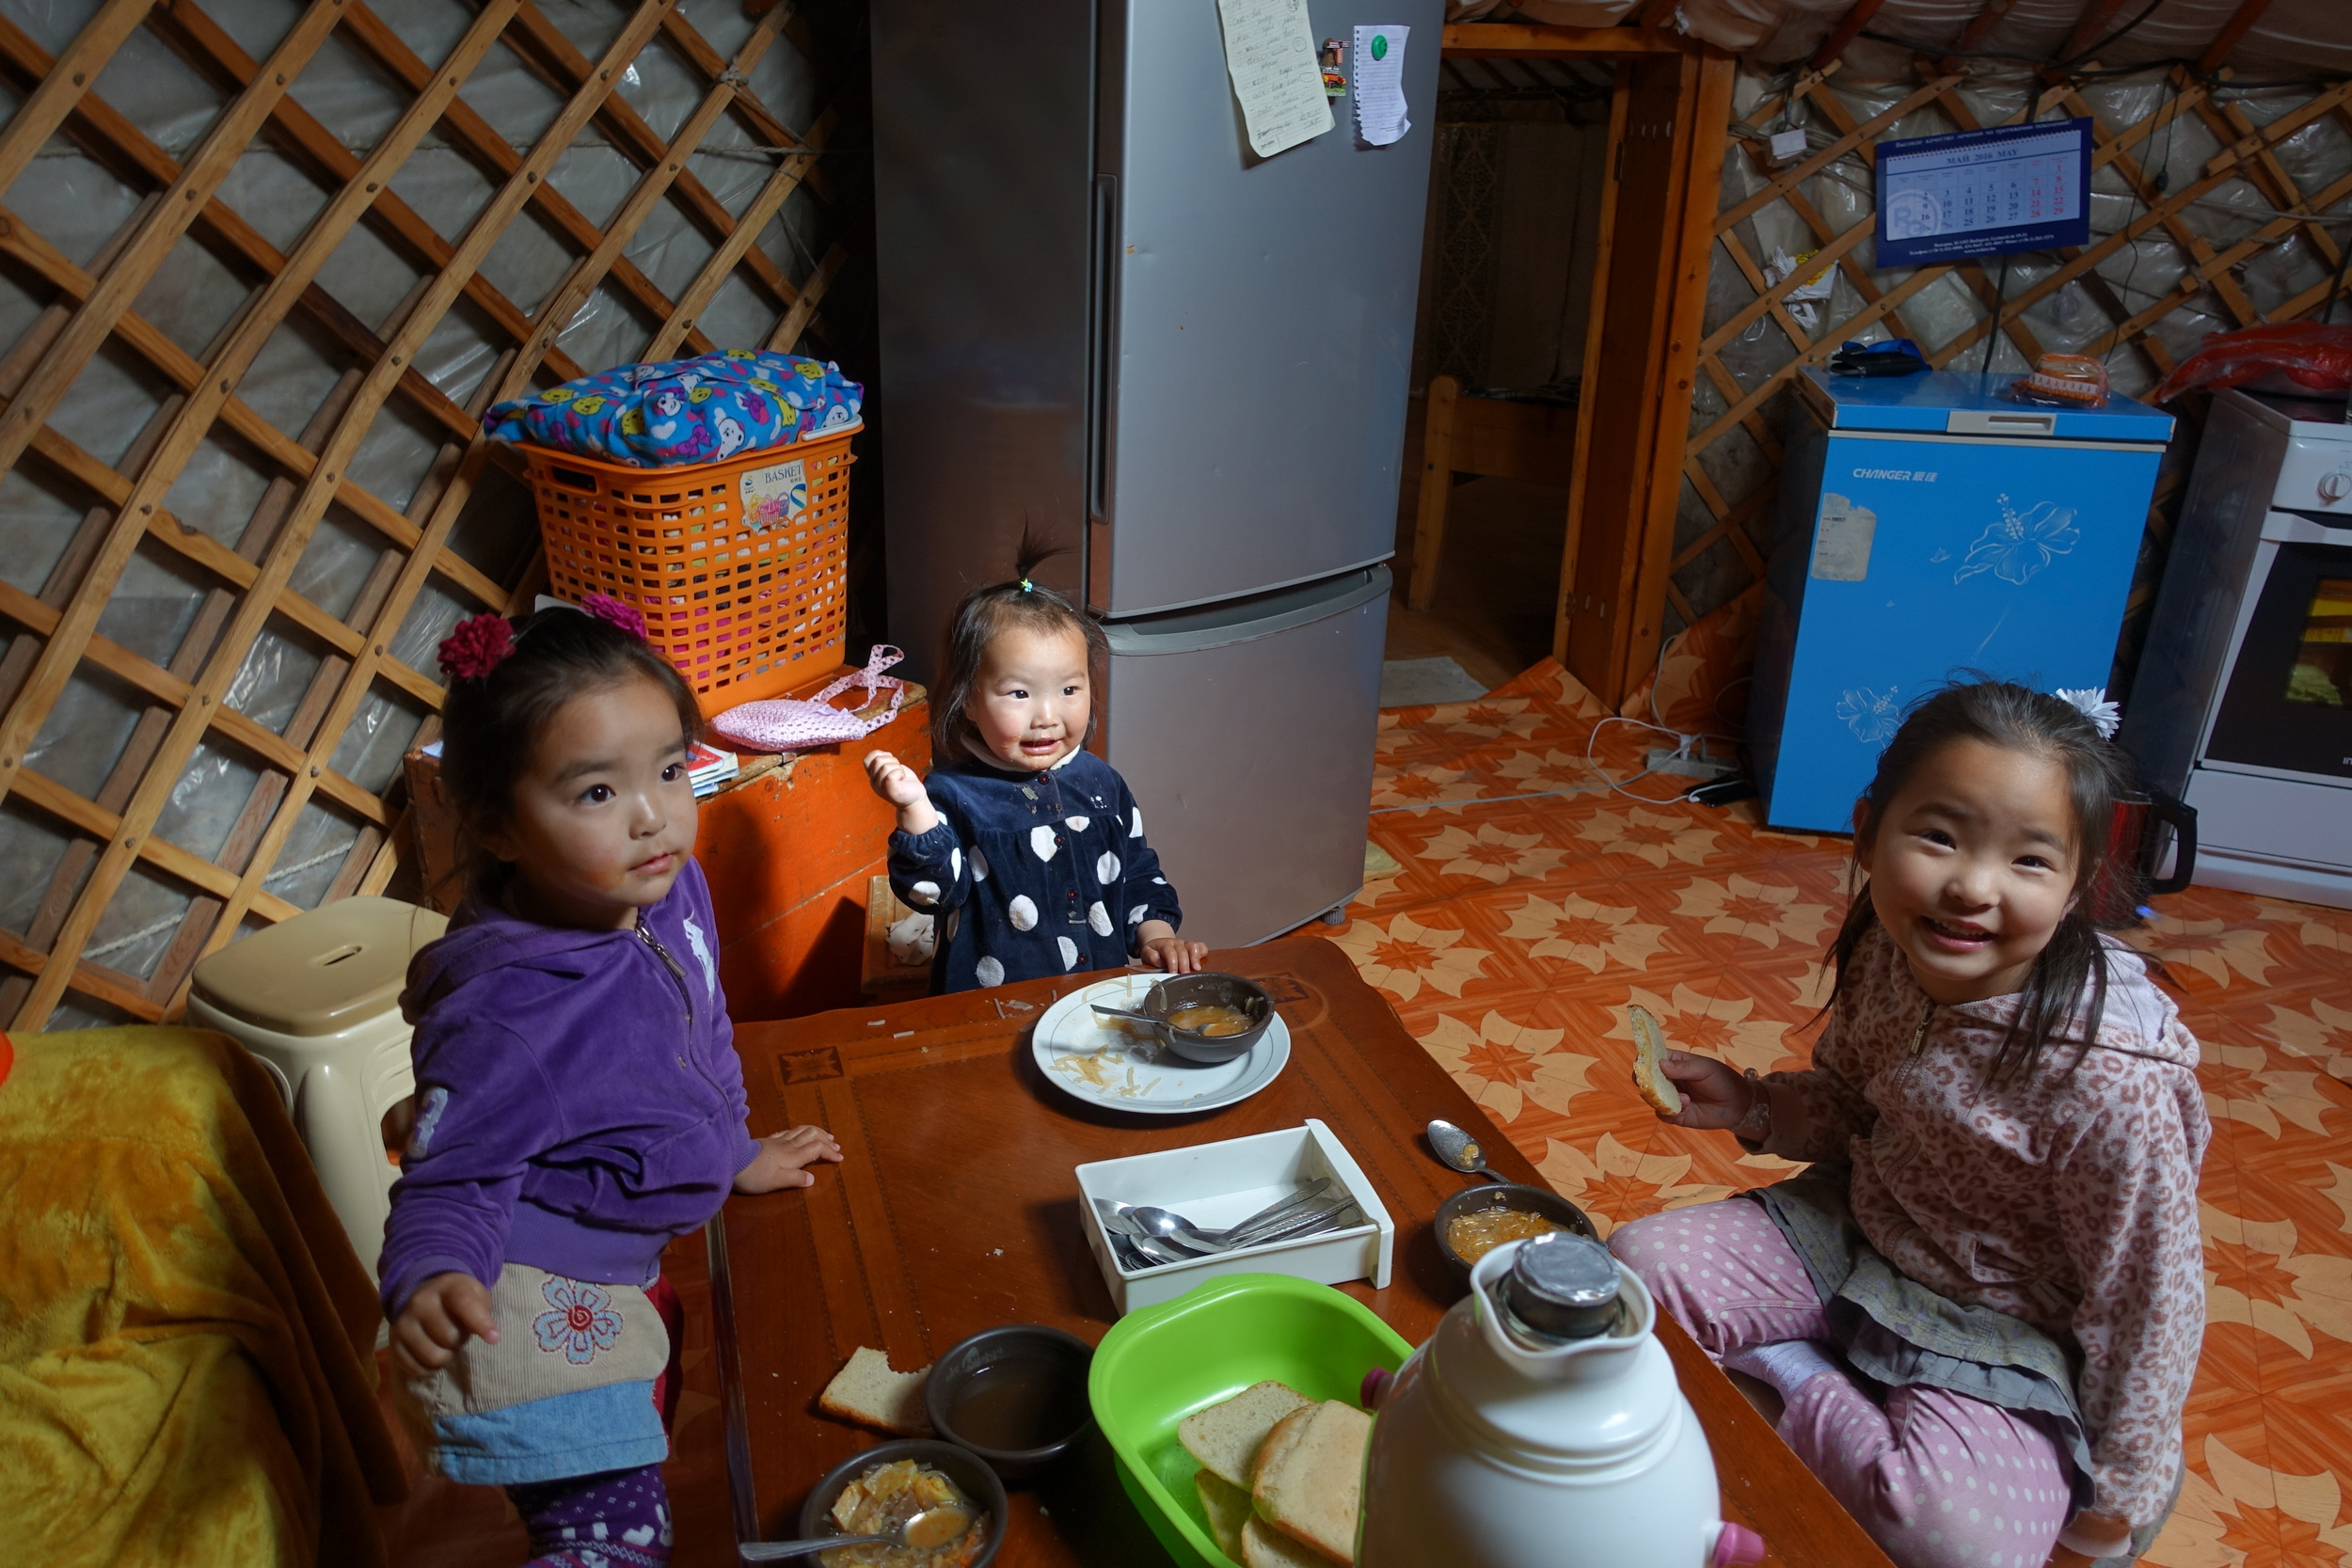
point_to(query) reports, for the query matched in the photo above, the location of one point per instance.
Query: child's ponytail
(2065, 995)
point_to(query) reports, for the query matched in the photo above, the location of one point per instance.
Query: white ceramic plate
(1096, 1059)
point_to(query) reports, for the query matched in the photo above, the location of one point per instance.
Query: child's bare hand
(893, 780)
(784, 1158)
(445, 1311)
(899, 785)
(1713, 1095)
(1172, 953)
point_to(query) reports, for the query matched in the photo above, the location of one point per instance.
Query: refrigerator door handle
(1192, 631)
(1101, 340)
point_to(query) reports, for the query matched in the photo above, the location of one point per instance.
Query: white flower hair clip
(2091, 703)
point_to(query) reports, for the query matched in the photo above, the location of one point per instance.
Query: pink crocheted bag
(797, 723)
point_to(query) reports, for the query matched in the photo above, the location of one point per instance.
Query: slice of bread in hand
(1225, 1437)
(1263, 1546)
(1227, 1509)
(1309, 1480)
(1649, 1066)
(869, 1392)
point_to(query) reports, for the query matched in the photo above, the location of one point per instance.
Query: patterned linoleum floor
(1517, 930)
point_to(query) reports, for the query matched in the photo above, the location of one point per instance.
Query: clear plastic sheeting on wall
(308, 702)
(2193, 231)
(2291, 37)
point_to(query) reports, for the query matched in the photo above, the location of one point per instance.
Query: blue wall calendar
(1983, 193)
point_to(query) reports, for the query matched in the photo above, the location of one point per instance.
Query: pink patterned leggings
(1939, 1479)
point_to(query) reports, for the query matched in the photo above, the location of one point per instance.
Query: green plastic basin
(1160, 1364)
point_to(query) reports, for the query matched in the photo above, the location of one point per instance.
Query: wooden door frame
(1630, 606)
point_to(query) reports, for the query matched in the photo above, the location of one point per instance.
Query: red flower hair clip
(479, 645)
(605, 607)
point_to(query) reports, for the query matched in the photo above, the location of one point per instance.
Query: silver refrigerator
(1105, 320)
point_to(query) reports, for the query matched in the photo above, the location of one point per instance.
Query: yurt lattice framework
(2289, 235)
(301, 794)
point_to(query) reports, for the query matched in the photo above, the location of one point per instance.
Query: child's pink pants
(1939, 1479)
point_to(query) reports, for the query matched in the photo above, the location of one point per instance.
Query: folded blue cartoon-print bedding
(701, 410)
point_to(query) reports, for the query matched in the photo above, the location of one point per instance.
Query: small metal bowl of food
(1206, 1019)
(1476, 1220)
(897, 1480)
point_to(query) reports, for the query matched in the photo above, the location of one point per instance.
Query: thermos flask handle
(2172, 809)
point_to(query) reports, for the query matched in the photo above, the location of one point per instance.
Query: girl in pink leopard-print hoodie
(1982, 1304)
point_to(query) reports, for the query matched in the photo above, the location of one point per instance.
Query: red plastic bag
(2311, 355)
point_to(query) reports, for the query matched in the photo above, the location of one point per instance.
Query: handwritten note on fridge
(1380, 85)
(1277, 79)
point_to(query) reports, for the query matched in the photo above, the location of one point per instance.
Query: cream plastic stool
(317, 999)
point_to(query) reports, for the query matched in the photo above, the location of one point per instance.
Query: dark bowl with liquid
(973, 1478)
(1213, 990)
(1015, 1396)
(1507, 1195)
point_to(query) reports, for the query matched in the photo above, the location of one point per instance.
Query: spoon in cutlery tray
(1117, 1215)
(1161, 1236)
(1175, 1227)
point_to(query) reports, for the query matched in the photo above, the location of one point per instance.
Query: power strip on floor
(1663, 759)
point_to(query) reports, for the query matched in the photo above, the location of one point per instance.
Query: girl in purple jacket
(579, 1099)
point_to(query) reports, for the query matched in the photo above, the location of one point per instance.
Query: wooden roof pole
(1983, 22)
(2239, 24)
(2092, 27)
(1847, 29)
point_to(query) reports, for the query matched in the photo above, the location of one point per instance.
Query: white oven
(2242, 704)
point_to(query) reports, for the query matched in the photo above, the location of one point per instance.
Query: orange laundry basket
(740, 567)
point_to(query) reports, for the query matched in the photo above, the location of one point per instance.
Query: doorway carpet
(1533, 902)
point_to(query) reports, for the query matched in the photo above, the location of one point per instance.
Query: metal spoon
(1172, 1227)
(1337, 1218)
(923, 1531)
(1156, 1252)
(1167, 1223)
(1299, 1199)
(1117, 1220)
(1121, 1216)
(1125, 1013)
(1457, 1149)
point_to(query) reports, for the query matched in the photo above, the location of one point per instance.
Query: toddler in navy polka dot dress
(1028, 850)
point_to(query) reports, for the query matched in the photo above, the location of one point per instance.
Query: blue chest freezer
(1929, 529)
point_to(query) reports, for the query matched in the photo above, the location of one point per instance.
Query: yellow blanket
(187, 1337)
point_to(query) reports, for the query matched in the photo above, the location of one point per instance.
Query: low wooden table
(956, 1210)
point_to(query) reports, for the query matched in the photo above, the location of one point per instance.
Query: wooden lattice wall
(2206, 177)
(93, 867)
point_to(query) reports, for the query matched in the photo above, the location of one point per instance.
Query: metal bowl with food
(1208, 1019)
(966, 1471)
(1476, 1220)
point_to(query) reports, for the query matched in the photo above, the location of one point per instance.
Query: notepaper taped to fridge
(1380, 85)
(1277, 77)
(1841, 539)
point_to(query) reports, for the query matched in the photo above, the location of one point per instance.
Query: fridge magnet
(777, 495)
(1334, 69)
(1841, 540)
(1871, 716)
(2017, 548)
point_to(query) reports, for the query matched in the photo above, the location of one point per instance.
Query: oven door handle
(2294, 527)
(2172, 809)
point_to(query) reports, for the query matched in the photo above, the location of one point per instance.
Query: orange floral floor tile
(1532, 903)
